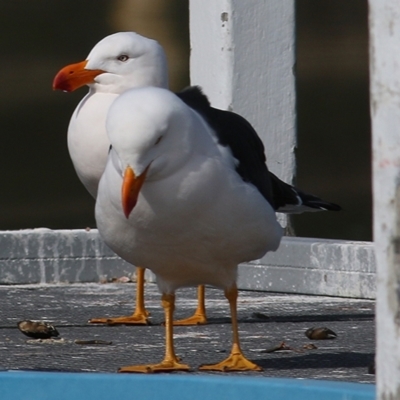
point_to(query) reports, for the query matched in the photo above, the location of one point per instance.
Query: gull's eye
(123, 58)
(158, 140)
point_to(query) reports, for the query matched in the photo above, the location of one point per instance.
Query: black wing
(236, 132)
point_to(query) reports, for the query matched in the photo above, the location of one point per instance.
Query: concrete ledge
(301, 265)
(47, 256)
(315, 266)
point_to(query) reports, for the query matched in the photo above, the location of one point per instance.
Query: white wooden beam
(243, 55)
(384, 26)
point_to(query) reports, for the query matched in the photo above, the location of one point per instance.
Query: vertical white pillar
(384, 26)
(242, 54)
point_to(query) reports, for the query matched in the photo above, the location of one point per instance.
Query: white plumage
(195, 219)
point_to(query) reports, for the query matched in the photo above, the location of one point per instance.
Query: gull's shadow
(318, 361)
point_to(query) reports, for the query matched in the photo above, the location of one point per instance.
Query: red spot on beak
(74, 76)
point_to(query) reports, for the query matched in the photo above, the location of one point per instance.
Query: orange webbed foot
(164, 366)
(195, 319)
(135, 319)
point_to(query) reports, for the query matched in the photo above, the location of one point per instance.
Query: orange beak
(74, 76)
(131, 186)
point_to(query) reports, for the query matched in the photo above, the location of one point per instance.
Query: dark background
(39, 187)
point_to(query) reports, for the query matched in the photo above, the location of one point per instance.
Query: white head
(118, 62)
(151, 132)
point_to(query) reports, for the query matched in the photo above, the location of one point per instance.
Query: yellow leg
(170, 362)
(199, 317)
(139, 316)
(236, 360)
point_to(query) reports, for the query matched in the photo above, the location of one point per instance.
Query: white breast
(88, 143)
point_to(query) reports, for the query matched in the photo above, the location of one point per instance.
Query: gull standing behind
(118, 62)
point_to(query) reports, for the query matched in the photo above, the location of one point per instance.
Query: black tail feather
(289, 199)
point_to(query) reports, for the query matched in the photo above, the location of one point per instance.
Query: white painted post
(242, 54)
(385, 112)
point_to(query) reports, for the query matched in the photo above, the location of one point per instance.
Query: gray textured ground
(286, 317)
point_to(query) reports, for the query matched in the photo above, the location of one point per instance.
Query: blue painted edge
(100, 386)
